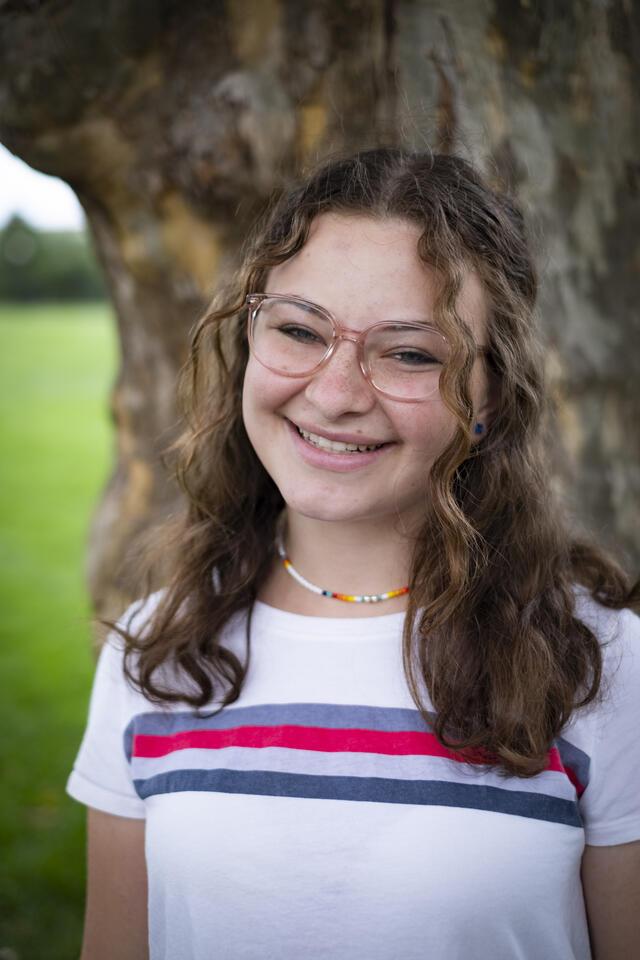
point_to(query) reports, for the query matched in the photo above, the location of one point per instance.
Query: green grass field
(56, 366)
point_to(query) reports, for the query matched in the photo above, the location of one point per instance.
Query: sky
(45, 202)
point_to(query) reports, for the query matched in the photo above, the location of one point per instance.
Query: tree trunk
(174, 122)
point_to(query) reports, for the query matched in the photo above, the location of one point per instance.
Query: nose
(340, 386)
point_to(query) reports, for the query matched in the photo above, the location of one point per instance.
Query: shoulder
(616, 628)
(135, 620)
(604, 621)
(168, 674)
(607, 758)
(618, 632)
(138, 615)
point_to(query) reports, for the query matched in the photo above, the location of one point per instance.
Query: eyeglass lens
(403, 361)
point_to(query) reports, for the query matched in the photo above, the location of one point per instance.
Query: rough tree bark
(174, 122)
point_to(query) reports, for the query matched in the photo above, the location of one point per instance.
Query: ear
(486, 412)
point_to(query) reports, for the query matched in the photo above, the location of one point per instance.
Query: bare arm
(116, 909)
(611, 883)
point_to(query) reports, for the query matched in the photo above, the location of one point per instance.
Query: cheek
(255, 403)
(251, 396)
(263, 393)
(426, 428)
(256, 389)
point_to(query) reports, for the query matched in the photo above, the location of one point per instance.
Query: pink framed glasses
(294, 337)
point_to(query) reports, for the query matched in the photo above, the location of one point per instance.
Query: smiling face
(364, 271)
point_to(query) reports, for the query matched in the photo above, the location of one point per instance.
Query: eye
(302, 334)
(413, 358)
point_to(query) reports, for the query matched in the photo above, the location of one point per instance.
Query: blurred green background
(57, 362)
(43, 265)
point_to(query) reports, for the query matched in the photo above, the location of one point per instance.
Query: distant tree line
(47, 265)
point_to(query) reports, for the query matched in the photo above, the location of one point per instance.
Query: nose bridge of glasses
(353, 335)
(348, 360)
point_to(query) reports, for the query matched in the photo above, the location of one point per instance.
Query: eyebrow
(312, 303)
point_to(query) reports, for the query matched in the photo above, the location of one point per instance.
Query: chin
(316, 511)
(325, 516)
(328, 510)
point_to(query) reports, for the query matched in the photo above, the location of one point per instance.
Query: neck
(352, 557)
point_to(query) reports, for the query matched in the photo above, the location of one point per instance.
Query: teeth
(334, 445)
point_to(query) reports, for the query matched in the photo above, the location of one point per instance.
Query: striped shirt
(319, 816)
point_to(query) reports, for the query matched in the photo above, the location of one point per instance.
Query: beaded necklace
(348, 597)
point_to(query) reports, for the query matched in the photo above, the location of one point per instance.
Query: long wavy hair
(491, 628)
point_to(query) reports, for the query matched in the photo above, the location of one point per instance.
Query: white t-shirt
(318, 817)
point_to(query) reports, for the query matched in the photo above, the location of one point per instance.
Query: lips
(336, 462)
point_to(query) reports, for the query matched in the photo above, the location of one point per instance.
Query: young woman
(386, 705)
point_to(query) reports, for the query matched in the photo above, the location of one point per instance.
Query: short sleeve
(610, 804)
(101, 775)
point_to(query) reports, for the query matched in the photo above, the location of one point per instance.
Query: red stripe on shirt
(326, 740)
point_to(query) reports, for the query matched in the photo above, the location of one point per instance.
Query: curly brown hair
(491, 628)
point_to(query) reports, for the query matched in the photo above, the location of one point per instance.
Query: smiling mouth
(335, 446)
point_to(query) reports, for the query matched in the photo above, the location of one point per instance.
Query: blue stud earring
(479, 428)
